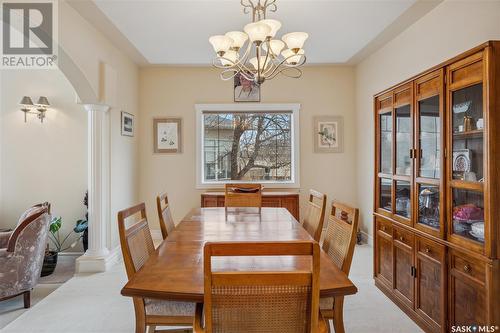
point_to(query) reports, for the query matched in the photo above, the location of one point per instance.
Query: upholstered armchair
(4, 236)
(22, 257)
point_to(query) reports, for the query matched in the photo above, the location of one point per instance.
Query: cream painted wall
(173, 92)
(449, 29)
(42, 162)
(87, 48)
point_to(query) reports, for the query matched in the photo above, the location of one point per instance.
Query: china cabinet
(437, 192)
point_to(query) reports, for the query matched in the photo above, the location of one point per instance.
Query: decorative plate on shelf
(478, 236)
(461, 160)
(462, 107)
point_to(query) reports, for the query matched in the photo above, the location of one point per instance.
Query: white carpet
(92, 303)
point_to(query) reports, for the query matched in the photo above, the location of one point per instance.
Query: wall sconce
(41, 107)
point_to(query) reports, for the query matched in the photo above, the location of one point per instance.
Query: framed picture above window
(245, 90)
(167, 135)
(127, 124)
(328, 134)
(249, 143)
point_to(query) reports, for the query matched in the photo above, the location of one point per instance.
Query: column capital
(96, 107)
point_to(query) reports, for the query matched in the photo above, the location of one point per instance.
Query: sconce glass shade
(26, 101)
(276, 46)
(257, 31)
(43, 101)
(291, 57)
(275, 26)
(295, 40)
(221, 43)
(239, 38)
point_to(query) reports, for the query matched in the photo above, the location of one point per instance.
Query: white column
(97, 258)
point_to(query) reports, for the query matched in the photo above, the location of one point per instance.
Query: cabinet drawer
(430, 248)
(384, 226)
(209, 201)
(403, 236)
(468, 266)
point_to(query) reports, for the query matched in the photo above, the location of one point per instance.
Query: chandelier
(255, 53)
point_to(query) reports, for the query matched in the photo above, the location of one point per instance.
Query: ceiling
(168, 32)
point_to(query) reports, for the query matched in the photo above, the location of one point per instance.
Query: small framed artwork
(245, 90)
(127, 124)
(328, 134)
(167, 135)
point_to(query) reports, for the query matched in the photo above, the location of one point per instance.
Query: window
(247, 143)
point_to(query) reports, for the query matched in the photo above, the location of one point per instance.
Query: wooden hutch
(437, 192)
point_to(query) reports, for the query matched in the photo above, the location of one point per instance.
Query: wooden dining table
(175, 270)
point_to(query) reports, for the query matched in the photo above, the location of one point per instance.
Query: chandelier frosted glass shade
(239, 38)
(295, 40)
(257, 31)
(276, 46)
(275, 25)
(292, 57)
(257, 54)
(229, 58)
(220, 43)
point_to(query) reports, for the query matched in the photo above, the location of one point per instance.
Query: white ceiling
(176, 32)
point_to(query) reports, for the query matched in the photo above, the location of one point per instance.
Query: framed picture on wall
(245, 90)
(167, 135)
(127, 124)
(328, 134)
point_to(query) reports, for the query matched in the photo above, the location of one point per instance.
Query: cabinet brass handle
(467, 268)
(427, 250)
(383, 228)
(401, 238)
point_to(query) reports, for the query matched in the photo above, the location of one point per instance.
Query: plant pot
(49, 263)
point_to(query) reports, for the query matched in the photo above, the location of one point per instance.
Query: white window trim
(248, 107)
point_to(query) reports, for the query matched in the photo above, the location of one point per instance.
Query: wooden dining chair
(243, 195)
(137, 246)
(167, 224)
(260, 301)
(339, 244)
(315, 214)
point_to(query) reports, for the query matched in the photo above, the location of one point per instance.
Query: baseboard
(91, 264)
(366, 238)
(71, 254)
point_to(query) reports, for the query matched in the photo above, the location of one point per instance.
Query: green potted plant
(58, 244)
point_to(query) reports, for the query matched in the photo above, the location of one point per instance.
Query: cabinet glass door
(467, 127)
(429, 124)
(429, 206)
(386, 143)
(403, 140)
(466, 159)
(429, 138)
(468, 214)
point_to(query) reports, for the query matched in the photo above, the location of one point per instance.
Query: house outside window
(247, 143)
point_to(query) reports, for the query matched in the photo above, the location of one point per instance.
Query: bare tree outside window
(247, 146)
